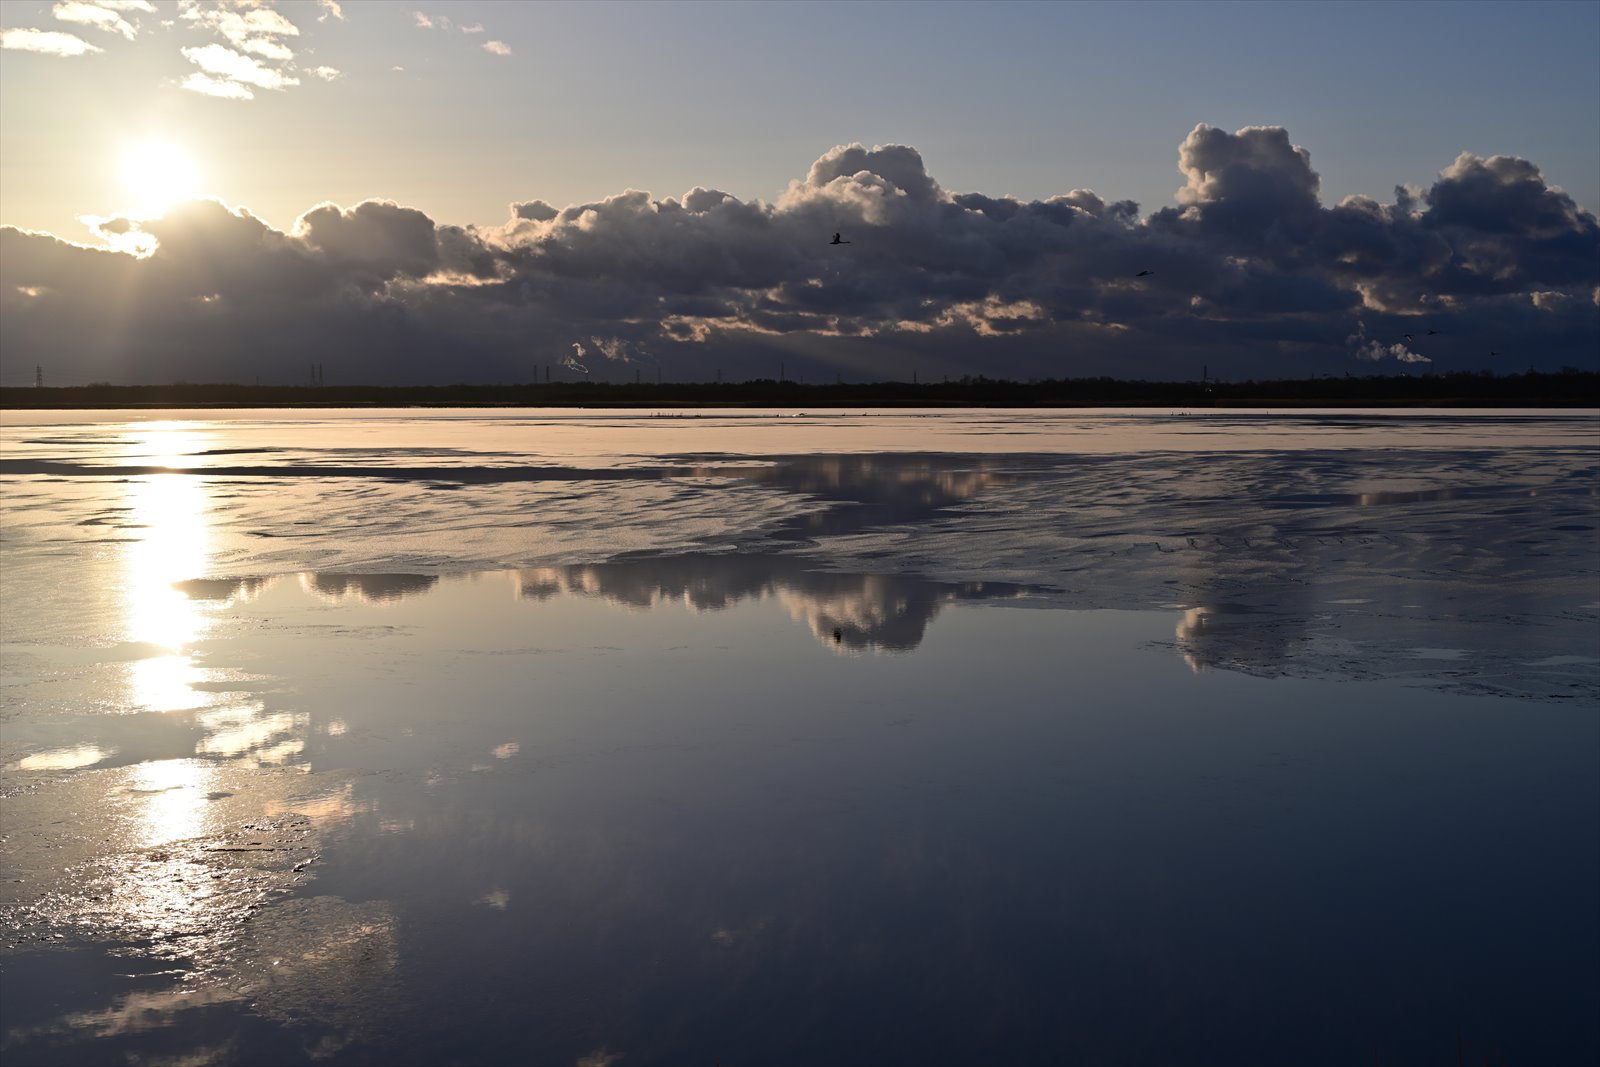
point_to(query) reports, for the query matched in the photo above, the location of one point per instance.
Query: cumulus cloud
(1375, 351)
(239, 24)
(224, 63)
(425, 21)
(46, 42)
(1252, 180)
(258, 53)
(100, 16)
(377, 239)
(218, 87)
(1246, 272)
(266, 46)
(327, 74)
(330, 9)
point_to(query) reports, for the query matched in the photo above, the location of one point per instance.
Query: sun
(158, 174)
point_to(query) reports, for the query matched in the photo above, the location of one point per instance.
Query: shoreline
(1567, 389)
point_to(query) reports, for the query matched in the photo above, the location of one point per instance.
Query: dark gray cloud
(1249, 274)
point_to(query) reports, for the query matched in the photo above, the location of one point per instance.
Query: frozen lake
(756, 737)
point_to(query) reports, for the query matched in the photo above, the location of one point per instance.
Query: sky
(476, 192)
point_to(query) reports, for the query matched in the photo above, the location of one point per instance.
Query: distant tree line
(1571, 387)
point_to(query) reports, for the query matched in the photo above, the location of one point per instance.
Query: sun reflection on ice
(173, 799)
(171, 511)
(165, 683)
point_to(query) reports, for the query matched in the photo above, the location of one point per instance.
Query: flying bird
(837, 240)
(1144, 274)
(1432, 332)
(1408, 337)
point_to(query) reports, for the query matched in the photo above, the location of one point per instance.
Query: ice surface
(888, 737)
(1351, 537)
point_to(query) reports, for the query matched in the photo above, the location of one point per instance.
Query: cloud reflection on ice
(851, 612)
(1237, 637)
(373, 588)
(64, 759)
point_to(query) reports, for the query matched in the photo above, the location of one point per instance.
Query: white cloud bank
(100, 16)
(46, 42)
(224, 63)
(257, 55)
(1247, 273)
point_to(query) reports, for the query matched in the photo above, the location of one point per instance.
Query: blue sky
(459, 110)
(1028, 100)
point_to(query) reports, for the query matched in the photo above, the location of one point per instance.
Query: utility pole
(38, 376)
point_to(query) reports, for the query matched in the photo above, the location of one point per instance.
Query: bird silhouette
(1432, 333)
(1144, 274)
(837, 240)
(1408, 337)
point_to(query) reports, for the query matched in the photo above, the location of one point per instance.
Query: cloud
(252, 31)
(374, 241)
(45, 42)
(439, 22)
(266, 46)
(208, 86)
(846, 613)
(330, 9)
(1374, 351)
(100, 16)
(611, 349)
(224, 63)
(1249, 274)
(327, 74)
(239, 25)
(1253, 178)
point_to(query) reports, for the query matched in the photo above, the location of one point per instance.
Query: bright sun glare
(157, 175)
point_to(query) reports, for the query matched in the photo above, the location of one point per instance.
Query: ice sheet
(564, 737)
